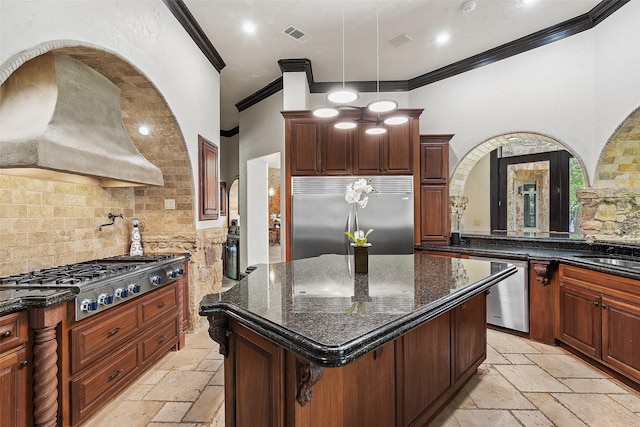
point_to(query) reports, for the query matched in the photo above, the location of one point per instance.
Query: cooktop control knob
(105, 299)
(134, 288)
(156, 280)
(122, 293)
(180, 271)
(89, 305)
(175, 273)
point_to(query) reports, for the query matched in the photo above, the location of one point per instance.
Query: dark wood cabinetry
(315, 147)
(106, 353)
(599, 315)
(434, 189)
(14, 370)
(402, 383)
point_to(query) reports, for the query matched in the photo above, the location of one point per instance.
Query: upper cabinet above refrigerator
(314, 146)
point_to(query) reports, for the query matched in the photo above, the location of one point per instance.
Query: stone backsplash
(610, 213)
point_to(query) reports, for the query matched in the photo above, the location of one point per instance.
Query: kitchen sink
(624, 263)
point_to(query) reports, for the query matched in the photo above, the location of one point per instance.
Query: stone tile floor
(522, 383)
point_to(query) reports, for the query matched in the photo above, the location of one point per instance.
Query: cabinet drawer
(160, 338)
(101, 335)
(92, 389)
(160, 302)
(13, 330)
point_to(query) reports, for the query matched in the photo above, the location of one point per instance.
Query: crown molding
(189, 23)
(540, 38)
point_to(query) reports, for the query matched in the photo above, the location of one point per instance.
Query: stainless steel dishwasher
(508, 300)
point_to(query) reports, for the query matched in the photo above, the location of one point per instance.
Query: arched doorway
(515, 183)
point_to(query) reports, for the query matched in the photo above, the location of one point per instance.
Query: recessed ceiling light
(144, 130)
(443, 38)
(249, 27)
(527, 2)
(468, 6)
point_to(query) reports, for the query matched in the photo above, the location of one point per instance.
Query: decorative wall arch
(466, 164)
(140, 101)
(619, 162)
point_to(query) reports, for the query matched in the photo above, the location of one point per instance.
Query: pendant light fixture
(344, 95)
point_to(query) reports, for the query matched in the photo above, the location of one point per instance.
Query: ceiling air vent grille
(296, 33)
(400, 40)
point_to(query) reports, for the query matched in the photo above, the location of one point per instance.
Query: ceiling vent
(296, 33)
(400, 40)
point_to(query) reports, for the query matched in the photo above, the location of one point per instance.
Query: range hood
(60, 117)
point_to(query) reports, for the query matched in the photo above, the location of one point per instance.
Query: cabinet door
(305, 148)
(13, 384)
(336, 150)
(434, 218)
(367, 152)
(470, 335)
(580, 319)
(253, 374)
(397, 150)
(621, 335)
(422, 364)
(434, 163)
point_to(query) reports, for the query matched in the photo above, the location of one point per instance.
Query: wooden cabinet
(14, 370)
(405, 382)
(390, 153)
(434, 160)
(434, 214)
(543, 283)
(314, 146)
(599, 315)
(434, 189)
(107, 352)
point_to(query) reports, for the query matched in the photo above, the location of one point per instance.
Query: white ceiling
(252, 59)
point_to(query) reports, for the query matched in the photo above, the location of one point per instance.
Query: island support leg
(45, 365)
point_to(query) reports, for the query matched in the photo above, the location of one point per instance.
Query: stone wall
(610, 213)
(205, 266)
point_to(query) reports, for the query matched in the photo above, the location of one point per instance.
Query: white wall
(145, 34)
(576, 90)
(261, 134)
(477, 190)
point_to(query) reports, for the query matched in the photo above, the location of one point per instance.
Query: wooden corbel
(219, 332)
(308, 375)
(542, 269)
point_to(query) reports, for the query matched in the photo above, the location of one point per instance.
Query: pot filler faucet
(112, 217)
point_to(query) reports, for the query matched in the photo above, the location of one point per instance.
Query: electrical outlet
(169, 203)
(476, 222)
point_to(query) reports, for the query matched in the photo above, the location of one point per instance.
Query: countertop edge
(569, 257)
(336, 356)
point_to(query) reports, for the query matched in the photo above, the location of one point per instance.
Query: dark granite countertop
(20, 299)
(319, 310)
(567, 251)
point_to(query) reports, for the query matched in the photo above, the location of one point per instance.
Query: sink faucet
(112, 217)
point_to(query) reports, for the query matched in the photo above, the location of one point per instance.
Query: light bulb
(345, 125)
(375, 131)
(325, 112)
(396, 120)
(382, 105)
(342, 96)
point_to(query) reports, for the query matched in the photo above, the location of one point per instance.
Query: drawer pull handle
(162, 338)
(115, 331)
(115, 374)
(162, 304)
(5, 334)
(595, 303)
(24, 363)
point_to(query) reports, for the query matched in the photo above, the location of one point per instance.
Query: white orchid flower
(363, 202)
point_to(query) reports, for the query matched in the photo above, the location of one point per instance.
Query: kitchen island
(310, 343)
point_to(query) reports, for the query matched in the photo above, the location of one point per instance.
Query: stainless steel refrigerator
(321, 215)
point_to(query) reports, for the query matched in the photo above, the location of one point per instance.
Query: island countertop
(319, 309)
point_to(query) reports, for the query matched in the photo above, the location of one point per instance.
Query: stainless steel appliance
(103, 283)
(508, 301)
(321, 215)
